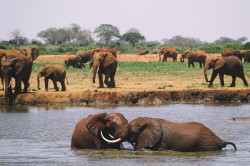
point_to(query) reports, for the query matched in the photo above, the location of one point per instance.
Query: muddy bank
(131, 98)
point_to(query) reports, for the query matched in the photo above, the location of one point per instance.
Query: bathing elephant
(55, 72)
(143, 52)
(18, 67)
(194, 56)
(107, 64)
(74, 61)
(159, 134)
(167, 53)
(89, 132)
(230, 65)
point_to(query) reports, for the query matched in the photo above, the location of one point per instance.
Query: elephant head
(141, 132)
(44, 71)
(31, 52)
(101, 60)
(184, 55)
(214, 63)
(105, 125)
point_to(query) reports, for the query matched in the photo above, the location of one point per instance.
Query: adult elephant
(237, 53)
(107, 64)
(194, 56)
(74, 61)
(90, 132)
(143, 52)
(245, 55)
(56, 73)
(167, 53)
(18, 67)
(230, 65)
(30, 52)
(159, 134)
(111, 50)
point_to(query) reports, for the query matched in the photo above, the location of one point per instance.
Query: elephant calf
(160, 134)
(55, 72)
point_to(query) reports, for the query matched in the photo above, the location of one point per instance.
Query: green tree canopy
(107, 32)
(132, 37)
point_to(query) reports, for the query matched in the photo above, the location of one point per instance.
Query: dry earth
(131, 88)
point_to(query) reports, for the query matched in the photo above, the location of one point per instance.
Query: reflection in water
(42, 135)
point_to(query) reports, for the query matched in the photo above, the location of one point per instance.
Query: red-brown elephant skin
(88, 131)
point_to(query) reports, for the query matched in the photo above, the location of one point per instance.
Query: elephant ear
(188, 55)
(24, 51)
(151, 134)
(96, 123)
(35, 53)
(109, 59)
(49, 70)
(219, 63)
(19, 65)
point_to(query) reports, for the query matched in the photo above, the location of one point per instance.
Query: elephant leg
(193, 64)
(63, 85)
(100, 79)
(233, 81)
(188, 64)
(55, 84)
(17, 85)
(46, 80)
(200, 64)
(244, 80)
(221, 79)
(214, 75)
(112, 81)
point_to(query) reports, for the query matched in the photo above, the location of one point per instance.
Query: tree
(17, 39)
(184, 41)
(132, 37)
(50, 35)
(227, 40)
(106, 33)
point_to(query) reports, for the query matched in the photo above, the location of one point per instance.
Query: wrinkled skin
(143, 52)
(56, 73)
(87, 132)
(18, 67)
(159, 134)
(167, 53)
(107, 65)
(74, 61)
(194, 56)
(230, 65)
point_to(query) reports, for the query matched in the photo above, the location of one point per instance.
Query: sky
(155, 19)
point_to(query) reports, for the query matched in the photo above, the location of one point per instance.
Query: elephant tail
(231, 143)
(67, 80)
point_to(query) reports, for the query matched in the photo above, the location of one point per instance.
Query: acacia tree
(106, 33)
(17, 39)
(132, 37)
(50, 35)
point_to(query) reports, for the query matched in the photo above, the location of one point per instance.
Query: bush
(210, 48)
(232, 46)
(246, 46)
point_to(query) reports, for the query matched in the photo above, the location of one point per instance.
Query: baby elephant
(55, 72)
(160, 134)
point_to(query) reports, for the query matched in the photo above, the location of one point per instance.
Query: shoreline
(140, 98)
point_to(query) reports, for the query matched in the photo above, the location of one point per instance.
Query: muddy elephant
(106, 64)
(230, 65)
(160, 134)
(194, 56)
(167, 53)
(143, 52)
(74, 61)
(18, 67)
(56, 73)
(90, 133)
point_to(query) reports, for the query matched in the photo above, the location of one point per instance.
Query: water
(41, 136)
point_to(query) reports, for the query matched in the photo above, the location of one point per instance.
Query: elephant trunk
(205, 74)
(95, 68)
(38, 82)
(7, 91)
(182, 60)
(160, 56)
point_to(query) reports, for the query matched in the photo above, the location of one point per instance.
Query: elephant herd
(108, 131)
(18, 65)
(228, 63)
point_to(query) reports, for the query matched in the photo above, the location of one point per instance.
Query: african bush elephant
(167, 53)
(107, 64)
(245, 55)
(74, 61)
(111, 50)
(30, 52)
(230, 65)
(143, 52)
(18, 67)
(194, 56)
(89, 132)
(159, 134)
(55, 72)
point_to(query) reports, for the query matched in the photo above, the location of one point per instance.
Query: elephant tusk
(110, 141)
(111, 136)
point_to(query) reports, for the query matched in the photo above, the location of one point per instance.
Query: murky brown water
(41, 136)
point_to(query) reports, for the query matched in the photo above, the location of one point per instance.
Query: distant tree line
(72, 38)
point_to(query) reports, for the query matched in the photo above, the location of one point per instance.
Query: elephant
(89, 132)
(245, 55)
(111, 50)
(167, 52)
(107, 64)
(30, 52)
(237, 53)
(194, 56)
(160, 134)
(230, 65)
(143, 52)
(18, 67)
(55, 72)
(74, 61)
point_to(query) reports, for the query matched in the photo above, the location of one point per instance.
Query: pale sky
(156, 19)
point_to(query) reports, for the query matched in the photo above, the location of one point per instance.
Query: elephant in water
(230, 65)
(89, 132)
(55, 72)
(159, 134)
